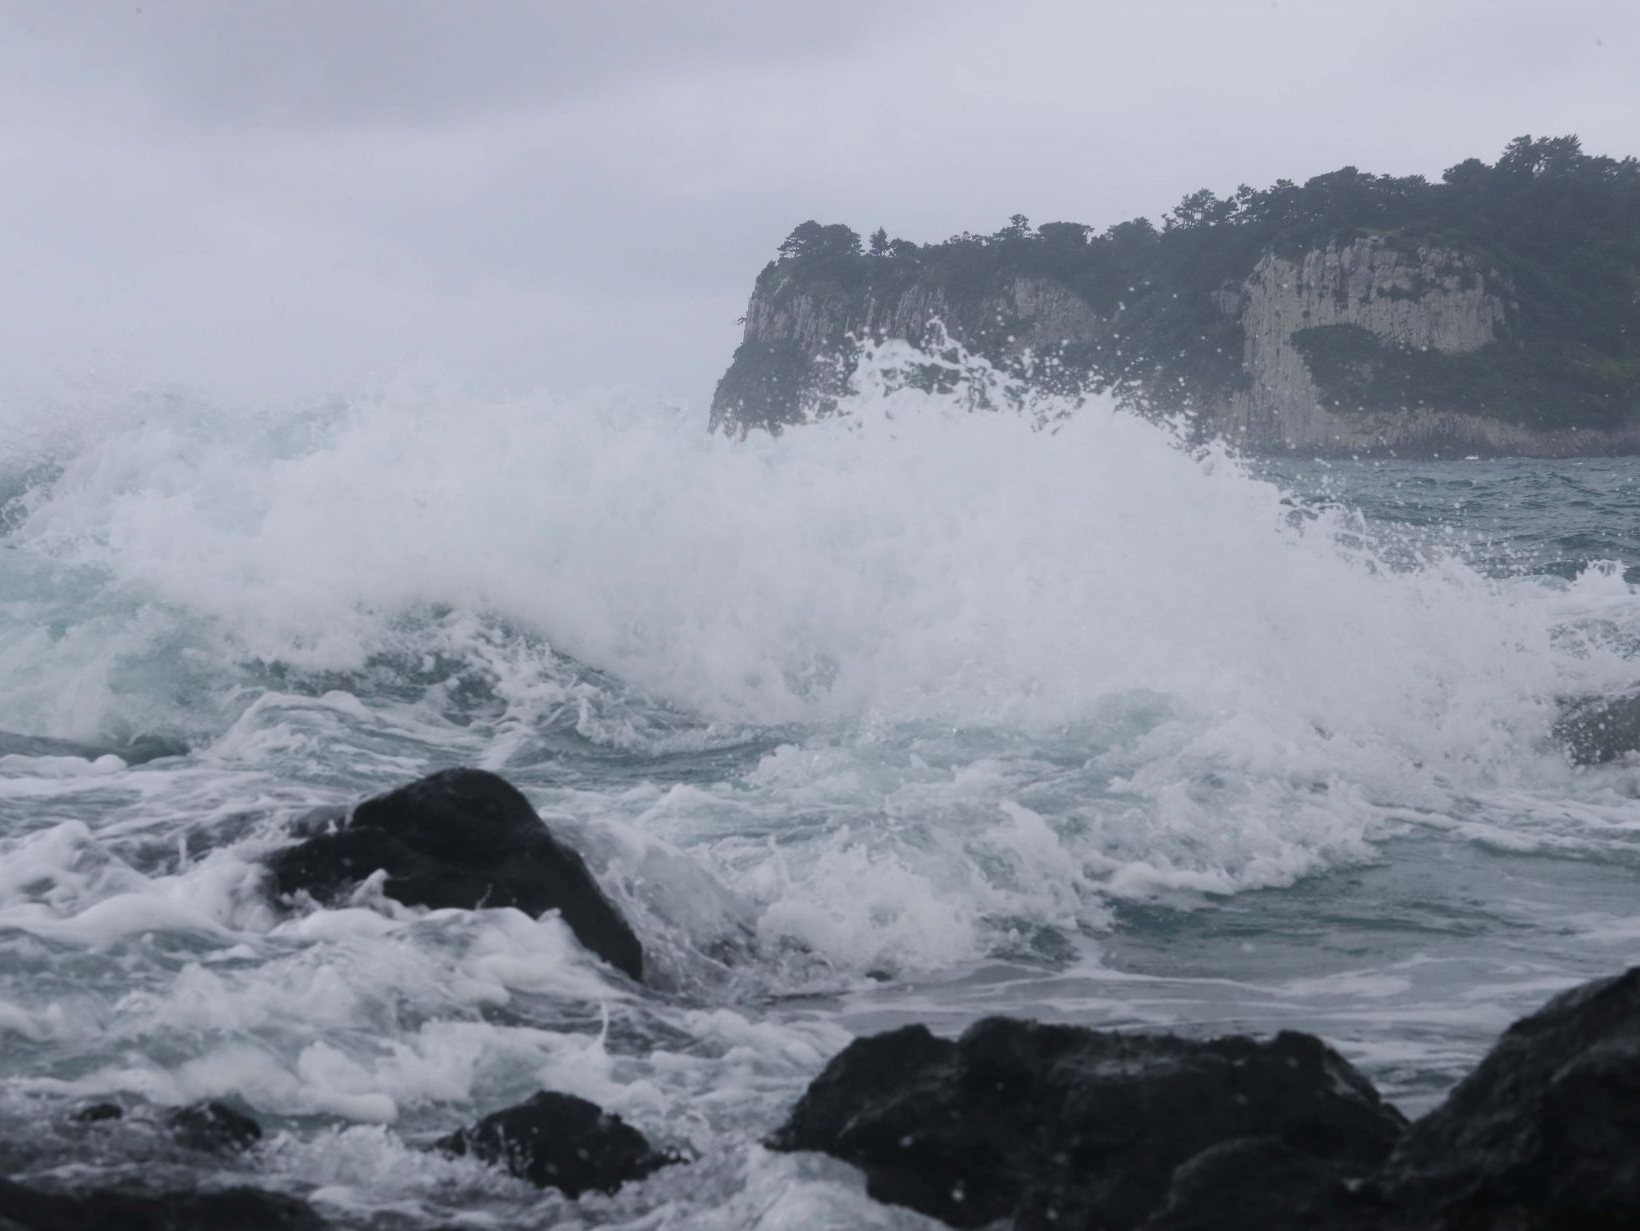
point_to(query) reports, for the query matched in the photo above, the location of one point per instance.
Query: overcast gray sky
(287, 199)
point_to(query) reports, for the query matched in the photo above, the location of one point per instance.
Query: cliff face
(1410, 301)
(799, 333)
(1493, 311)
(1424, 299)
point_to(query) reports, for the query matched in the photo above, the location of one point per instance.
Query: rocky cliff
(1497, 312)
(1424, 298)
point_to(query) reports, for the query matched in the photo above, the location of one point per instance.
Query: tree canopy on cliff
(1559, 230)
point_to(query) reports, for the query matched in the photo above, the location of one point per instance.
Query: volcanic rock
(1599, 729)
(214, 1128)
(1545, 1134)
(1065, 1126)
(94, 1113)
(1259, 1184)
(560, 1141)
(243, 1209)
(461, 838)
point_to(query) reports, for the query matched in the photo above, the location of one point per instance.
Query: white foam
(912, 561)
(1233, 696)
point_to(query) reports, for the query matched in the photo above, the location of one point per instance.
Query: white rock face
(1425, 297)
(1048, 315)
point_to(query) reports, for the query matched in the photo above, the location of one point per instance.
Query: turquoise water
(913, 715)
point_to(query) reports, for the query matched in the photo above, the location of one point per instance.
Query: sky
(283, 201)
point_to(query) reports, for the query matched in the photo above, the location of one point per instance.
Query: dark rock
(1070, 1126)
(1259, 1184)
(1545, 1134)
(1598, 729)
(560, 1141)
(243, 1209)
(94, 1112)
(461, 838)
(213, 1127)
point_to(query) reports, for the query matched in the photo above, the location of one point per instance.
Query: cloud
(301, 197)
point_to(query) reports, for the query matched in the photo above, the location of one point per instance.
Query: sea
(913, 714)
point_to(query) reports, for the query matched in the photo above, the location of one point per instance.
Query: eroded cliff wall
(1422, 297)
(1412, 301)
(797, 331)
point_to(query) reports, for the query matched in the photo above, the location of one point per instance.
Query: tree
(1200, 208)
(879, 242)
(811, 241)
(1064, 234)
(802, 239)
(1470, 175)
(1547, 156)
(1132, 240)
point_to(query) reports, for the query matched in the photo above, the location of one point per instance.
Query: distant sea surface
(911, 715)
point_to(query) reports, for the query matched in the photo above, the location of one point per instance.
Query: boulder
(213, 1128)
(560, 1141)
(1259, 1184)
(1065, 1126)
(243, 1209)
(1545, 1134)
(94, 1113)
(460, 838)
(1599, 729)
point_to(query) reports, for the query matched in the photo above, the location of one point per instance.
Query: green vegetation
(1556, 232)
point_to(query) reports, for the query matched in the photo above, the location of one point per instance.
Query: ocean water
(914, 714)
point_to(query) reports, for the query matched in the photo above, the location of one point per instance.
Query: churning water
(912, 714)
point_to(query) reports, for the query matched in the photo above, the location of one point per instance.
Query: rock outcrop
(1065, 1126)
(1598, 729)
(1424, 298)
(461, 838)
(1545, 1134)
(210, 1127)
(560, 1141)
(213, 1128)
(801, 339)
(243, 1209)
(1491, 312)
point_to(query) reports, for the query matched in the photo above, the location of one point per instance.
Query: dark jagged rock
(461, 838)
(94, 1113)
(1258, 1184)
(243, 1209)
(1599, 729)
(1069, 1126)
(214, 1128)
(1545, 1134)
(560, 1141)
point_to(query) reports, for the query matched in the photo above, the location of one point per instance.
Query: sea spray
(917, 711)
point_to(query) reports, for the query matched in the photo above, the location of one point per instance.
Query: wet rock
(93, 1113)
(243, 1209)
(1259, 1184)
(214, 1128)
(1599, 729)
(1069, 1127)
(560, 1141)
(461, 838)
(1545, 1134)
